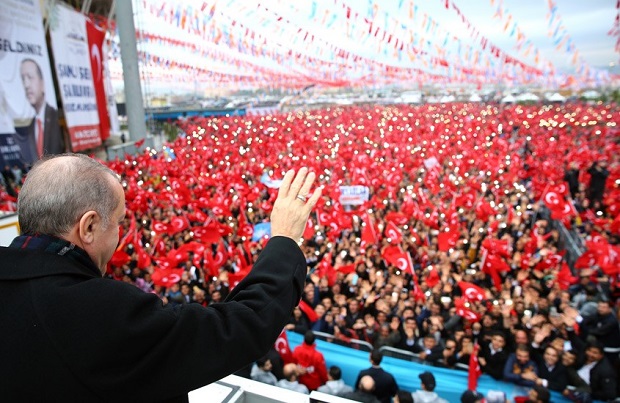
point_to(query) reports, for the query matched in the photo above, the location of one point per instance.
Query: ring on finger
(301, 197)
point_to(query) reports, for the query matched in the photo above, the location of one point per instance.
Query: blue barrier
(180, 113)
(450, 383)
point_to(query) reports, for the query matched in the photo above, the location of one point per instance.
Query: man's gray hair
(59, 190)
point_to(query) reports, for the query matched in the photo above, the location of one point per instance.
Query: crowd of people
(453, 249)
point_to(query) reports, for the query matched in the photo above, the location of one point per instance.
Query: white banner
(354, 195)
(28, 108)
(74, 73)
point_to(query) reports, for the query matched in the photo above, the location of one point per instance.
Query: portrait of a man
(42, 136)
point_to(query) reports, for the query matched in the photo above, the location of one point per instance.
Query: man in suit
(493, 356)
(95, 339)
(598, 373)
(43, 135)
(385, 384)
(551, 373)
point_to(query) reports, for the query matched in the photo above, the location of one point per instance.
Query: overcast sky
(586, 23)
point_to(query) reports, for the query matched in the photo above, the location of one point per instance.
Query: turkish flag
(221, 255)
(175, 257)
(433, 278)
(119, 258)
(193, 246)
(144, 260)
(178, 224)
(492, 264)
(565, 277)
(369, 235)
(325, 269)
(309, 230)
(210, 267)
(96, 37)
(393, 233)
(550, 261)
(244, 228)
(181, 191)
(484, 210)
(471, 292)
(446, 240)
(495, 262)
(474, 371)
(235, 278)
(345, 268)
(609, 259)
(166, 277)
(465, 200)
(398, 258)
(397, 217)
(283, 348)
(160, 227)
(207, 235)
(553, 200)
(464, 311)
(308, 311)
(497, 246)
(615, 225)
(587, 259)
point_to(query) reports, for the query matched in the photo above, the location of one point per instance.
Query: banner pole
(131, 70)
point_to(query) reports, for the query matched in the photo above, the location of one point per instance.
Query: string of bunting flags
(339, 43)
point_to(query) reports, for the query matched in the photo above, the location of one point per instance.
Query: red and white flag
(393, 233)
(166, 277)
(398, 258)
(283, 348)
(474, 369)
(471, 292)
(463, 310)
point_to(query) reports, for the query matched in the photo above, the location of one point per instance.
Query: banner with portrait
(28, 109)
(72, 62)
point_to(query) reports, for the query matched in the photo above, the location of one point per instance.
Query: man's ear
(89, 222)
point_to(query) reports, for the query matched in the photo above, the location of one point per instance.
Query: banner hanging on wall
(28, 108)
(72, 59)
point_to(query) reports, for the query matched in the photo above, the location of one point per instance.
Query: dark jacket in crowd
(494, 362)
(385, 384)
(603, 381)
